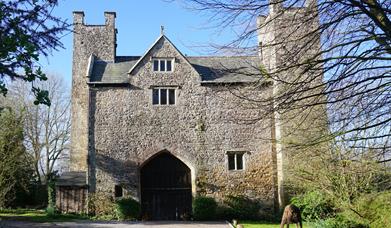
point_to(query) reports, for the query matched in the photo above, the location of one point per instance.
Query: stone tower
(284, 40)
(90, 43)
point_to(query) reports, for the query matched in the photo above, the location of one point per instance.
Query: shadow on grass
(37, 216)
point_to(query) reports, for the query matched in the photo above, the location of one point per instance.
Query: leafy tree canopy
(15, 164)
(27, 30)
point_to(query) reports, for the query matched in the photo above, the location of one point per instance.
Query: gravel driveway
(82, 224)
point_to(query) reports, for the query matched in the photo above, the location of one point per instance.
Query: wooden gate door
(165, 188)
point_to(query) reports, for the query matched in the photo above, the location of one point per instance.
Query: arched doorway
(165, 188)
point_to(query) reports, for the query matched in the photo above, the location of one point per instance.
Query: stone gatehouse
(165, 127)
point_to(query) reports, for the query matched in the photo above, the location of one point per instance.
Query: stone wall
(206, 122)
(288, 38)
(88, 40)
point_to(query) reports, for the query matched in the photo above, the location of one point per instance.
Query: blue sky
(138, 23)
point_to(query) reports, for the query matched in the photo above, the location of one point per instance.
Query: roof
(212, 69)
(161, 37)
(108, 72)
(227, 69)
(72, 179)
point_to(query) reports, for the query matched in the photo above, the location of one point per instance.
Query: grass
(37, 216)
(260, 224)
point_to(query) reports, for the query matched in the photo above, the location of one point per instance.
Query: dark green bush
(242, 207)
(127, 208)
(225, 213)
(204, 208)
(314, 206)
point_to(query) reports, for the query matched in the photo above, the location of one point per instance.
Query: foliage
(127, 209)
(340, 174)
(101, 206)
(37, 197)
(263, 224)
(51, 208)
(242, 207)
(224, 212)
(204, 208)
(313, 205)
(337, 222)
(373, 209)
(15, 164)
(51, 211)
(27, 30)
(342, 187)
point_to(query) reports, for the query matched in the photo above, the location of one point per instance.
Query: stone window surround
(175, 88)
(235, 152)
(159, 59)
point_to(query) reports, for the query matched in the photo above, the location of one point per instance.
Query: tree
(349, 67)
(27, 30)
(15, 165)
(46, 128)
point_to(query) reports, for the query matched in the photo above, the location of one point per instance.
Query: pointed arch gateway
(165, 188)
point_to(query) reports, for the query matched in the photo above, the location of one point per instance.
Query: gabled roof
(215, 69)
(162, 36)
(212, 69)
(224, 69)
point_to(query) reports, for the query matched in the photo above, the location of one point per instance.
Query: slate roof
(107, 72)
(72, 179)
(227, 69)
(212, 69)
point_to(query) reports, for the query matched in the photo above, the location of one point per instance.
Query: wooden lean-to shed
(71, 192)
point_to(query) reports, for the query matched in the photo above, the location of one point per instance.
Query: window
(118, 192)
(162, 65)
(235, 161)
(163, 96)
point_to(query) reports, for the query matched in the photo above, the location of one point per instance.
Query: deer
(291, 215)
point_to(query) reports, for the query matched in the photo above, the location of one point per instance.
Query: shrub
(374, 209)
(204, 208)
(51, 211)
(242, 207)
(102, 206)
(314, 206)
(337, 222)
(127, 208)
(224, 212)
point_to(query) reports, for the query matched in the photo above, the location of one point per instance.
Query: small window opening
(171, 96)
(155, 65)
(118, 191)
(235, 161)
(155, 96)
(169, 65)
(163, 96)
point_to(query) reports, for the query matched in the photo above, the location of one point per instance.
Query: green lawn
(255, 224)
(36, 216)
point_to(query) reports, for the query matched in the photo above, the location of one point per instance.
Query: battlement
(78, 18)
